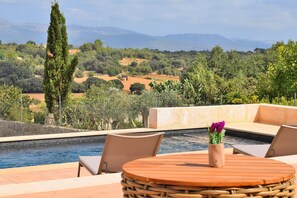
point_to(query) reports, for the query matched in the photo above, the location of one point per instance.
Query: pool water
(69, 152)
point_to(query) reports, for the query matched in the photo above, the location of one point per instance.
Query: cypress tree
(58, 70)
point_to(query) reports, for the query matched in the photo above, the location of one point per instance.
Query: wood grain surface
(193, 170)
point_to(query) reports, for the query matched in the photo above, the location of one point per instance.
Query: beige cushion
(289, 159)
(92, 162)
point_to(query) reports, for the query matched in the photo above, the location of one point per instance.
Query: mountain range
(122, 38)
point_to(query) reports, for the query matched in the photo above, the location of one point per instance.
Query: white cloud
(77, 13)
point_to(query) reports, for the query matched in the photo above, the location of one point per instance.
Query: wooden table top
(193, 170)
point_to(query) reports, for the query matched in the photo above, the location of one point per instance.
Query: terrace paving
(101, 191)
(56, 180)
(59, 180)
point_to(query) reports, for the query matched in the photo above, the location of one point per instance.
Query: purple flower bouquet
(216, 132)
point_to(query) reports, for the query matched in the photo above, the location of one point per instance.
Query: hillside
(128, 61)
(21, 65)
(133, 79)
(122, 38)
(138, 79)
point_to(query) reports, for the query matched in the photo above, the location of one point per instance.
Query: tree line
(206, 78)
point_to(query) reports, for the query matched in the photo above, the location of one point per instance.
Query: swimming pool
(70, 151)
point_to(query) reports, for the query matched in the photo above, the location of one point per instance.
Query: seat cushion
(253, 150)
(289, 159)
(91, 163)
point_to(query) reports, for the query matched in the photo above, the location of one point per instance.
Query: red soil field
(139, 79)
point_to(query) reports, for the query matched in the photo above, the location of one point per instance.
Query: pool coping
(244, 127)
(73, 135)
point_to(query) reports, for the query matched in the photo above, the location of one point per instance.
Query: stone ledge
(254, 128)
(72, 135)
(61, 184)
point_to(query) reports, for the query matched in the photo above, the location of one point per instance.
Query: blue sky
(271, 20)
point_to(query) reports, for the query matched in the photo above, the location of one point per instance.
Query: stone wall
(12, 128)
(200, 116)
(203, 116)
(179, 118)
(277, 114)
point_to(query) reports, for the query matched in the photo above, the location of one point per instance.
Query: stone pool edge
(249, 128)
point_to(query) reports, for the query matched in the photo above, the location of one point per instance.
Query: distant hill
(121, 38)
(21, 33)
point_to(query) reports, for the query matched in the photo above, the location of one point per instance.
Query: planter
(216, 156)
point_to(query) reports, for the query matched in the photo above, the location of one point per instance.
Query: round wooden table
(189, 175)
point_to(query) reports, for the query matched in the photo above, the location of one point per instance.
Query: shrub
(91, 74)
(113, 71)
(133, 64)
(94, 81)
(137, 88)
(79, 74)
(39, 117)
(78, 87)
(118, 84)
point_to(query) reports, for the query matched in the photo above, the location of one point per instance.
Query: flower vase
(216, 156)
